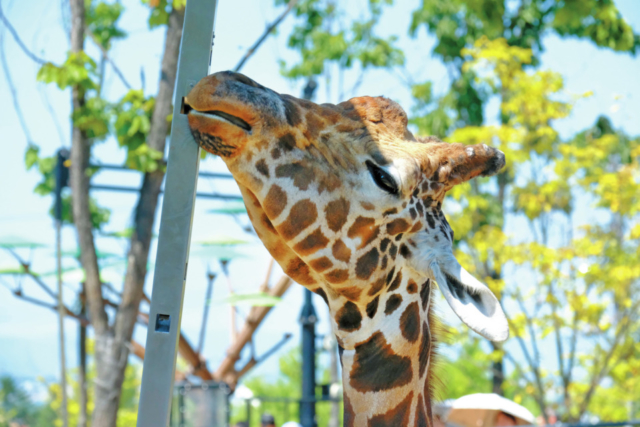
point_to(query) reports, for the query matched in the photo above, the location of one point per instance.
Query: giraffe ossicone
(349, 203)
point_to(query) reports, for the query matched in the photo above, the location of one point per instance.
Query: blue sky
(28, 334)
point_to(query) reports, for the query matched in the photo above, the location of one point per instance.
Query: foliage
(16, 406)
(585, 277)
(287, 384)
(324, 36)
(128, 409)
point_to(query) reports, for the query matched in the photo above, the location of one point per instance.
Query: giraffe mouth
(218, 115)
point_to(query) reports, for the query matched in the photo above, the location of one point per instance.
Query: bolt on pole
(175, 224)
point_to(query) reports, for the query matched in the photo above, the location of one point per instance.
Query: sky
(28, 334)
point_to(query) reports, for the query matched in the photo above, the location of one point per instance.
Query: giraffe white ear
(471, 300)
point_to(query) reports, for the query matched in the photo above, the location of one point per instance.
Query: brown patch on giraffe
(405, 251)
(261, 166)
(312, 243)
(340, 251)
(352, 293)
(383, 264)
(393, 251)
(413, 213)
(302, 215)
(430, 220)
(368, 206)
(364, 228)
(392, 304)
(299, 272)
(416, 227)
(397, 226)
(367, 264)
(410, 322)
(349, 317)
(396, 282)
(287, 142)
(337, 276)
(425, 349)
(390, 212)
(395, 417)
(336, 213)
(291, 111)
(377, 286)
(372, 307)
(322, 294)
(314, 125)
(328, 182)
(420, 209)
(376, 367)
(390, 275)
(425, 291)
(425, 186)
(398, 237)
(421, 416)
(384, 244)
(266, 222)
(412, 286)
(321, 264)
(275, 202)
(275, 153)
(301, 175)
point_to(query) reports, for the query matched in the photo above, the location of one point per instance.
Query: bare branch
(16, 37)
(264, 35)
(105, 55)
(14, 92)
(226, 371)
(27, 270)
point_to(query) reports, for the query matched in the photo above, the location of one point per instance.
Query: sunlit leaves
(132, 124)
(323, 36)
(101, 20)
(78, 70)
(599, 21)
(160, 10)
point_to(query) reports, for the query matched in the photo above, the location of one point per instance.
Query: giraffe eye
(382, 178)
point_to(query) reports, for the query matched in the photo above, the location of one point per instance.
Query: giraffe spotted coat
(349, 202)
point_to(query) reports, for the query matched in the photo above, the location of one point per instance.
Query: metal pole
(308, 320)
(62, 156)
(175, 225)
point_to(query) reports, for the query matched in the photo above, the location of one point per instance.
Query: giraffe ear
(471, 300)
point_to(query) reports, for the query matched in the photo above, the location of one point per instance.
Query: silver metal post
(175, 225)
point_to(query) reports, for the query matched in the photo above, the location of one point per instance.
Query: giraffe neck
(386, 376)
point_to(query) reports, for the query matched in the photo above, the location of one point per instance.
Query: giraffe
(349, 203)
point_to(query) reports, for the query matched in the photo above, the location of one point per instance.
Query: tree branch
(264, 35)
(14, 92)
(226, 371)
(105, 55)
(27, 270)
(16, 37)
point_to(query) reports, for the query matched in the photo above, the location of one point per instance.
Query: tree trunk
(82, 371)
(112, 343)
(116, 347)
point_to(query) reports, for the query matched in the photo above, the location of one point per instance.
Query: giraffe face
(344, 196)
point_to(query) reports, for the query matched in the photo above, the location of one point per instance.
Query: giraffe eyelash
(382, 178)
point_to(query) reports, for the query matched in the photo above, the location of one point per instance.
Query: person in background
(267, 420)
(291, 424)
(241, 424)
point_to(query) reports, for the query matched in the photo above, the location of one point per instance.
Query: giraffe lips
(236, 121)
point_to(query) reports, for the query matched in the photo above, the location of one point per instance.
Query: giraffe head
(348, 201)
